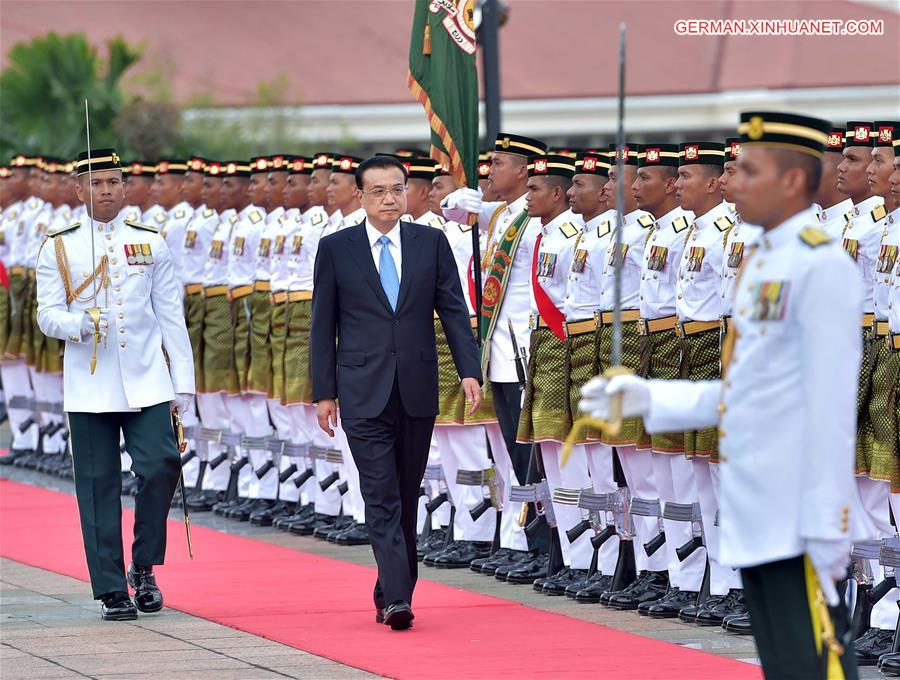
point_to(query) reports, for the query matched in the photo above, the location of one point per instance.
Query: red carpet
(324, 606)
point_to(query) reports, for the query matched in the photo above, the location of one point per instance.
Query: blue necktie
(387, 270)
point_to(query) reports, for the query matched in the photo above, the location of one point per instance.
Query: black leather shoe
(264, 516)
(28, 460)
(738, 624)
(557, 584)
(462, 556)
(307, 527)
(147, 596)
(889, 664)
(527, 571)
(242, 513)
(379, 615)
(669, 606)
(355, 535)
(573, 588)
(436, 540)
(299, 515)
(205, 501)
(649, 589)
(399, 615)
(117, 607)
(224, 506)
(688, 614)
(429, 558)
(714, 611)
(340, 523)
(11, 457)
(639, 582)
(593, 590)
(873, 643)
(489, 564)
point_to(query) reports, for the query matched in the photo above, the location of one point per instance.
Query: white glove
(461, 202)
(597, 392)
(87, 325)
(830, 559)
(183, 401)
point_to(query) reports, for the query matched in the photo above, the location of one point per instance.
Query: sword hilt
(94, 314)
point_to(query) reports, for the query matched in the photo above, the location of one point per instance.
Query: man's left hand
(183, 402)
(472, 390)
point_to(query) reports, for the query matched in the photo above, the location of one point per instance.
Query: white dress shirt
(393, 246)
(698, 290)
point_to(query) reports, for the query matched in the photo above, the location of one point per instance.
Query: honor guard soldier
(127, 359)
(786, 430)
(546, 417)
(880, 449)
(834, 206)
(506, 304)
(169, 192)
(139, 177)
(698, 303)
(654, 190)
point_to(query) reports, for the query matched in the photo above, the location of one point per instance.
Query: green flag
(444, 78)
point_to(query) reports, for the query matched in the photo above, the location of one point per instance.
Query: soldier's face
(762, 189)
(17, 183)
(210, 192)
(487, 191)
(342, 190)
(192, 188)
(879, 170)
(586, 195)
(828, 182)
(137, 189)
(609, 189)
(727, 173)
(895, 182)
(257, 189)
(318, 187)
(51, 188)
(234, 192)
(507, 173)
(852, 179)
(166, 190)
(651, 187)
(694, 186)
(35, 181)
(441, 187)
(542, 197)
(275, 189)
(417, 191)
(105, 191)
(296, 191)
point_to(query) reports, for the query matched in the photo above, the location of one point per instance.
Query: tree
(44, 88)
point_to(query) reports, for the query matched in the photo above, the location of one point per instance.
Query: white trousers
(17, 383)
(574, 475)
(600, 464)
(464, 447)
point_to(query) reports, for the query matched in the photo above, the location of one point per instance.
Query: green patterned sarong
(883, 462)
(297, 377)
(278, 338)
(194, 311)
(219, 370)
(700, 360)
(660, 360)
(546, 415)
(259, 373)
(632, 428)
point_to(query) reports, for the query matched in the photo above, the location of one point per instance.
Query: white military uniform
(173, 230)
(145, 319)
(740, 239)
(794, 291)
(833, 220)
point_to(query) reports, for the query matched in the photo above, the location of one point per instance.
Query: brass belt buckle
(642, 326)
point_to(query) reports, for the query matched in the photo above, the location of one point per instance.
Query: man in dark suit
(377, 287)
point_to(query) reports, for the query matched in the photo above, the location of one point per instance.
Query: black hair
(810, 165)
(378, 162)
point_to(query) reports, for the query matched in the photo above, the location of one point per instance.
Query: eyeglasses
(379, 193)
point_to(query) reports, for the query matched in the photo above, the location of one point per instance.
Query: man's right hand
(326, 414)
(460, 203)
(596, 396)
(87, 325)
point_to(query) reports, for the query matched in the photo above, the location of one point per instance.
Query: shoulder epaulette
(814, 237)
(208, 212)
(848, 216)
(255, 216)
(63, 230)
(568, 229)
(161, 217)
(317, 219)
(879, 212)
(33, 203)
(645, 221)
(603, 228)
(680, 224)
(724, 223)
(13, 214)
(233, 218)
(437, 221)
(464, 227)
(134, 216)
(138, 225)
(282, 217)
(179, 214)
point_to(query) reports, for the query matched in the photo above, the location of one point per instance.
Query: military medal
(279, 245)
(695, 258)
(190, 239)
(851, 245)
(263, 250)
(579, 260)
(769, 300)
(736, 254)
(546, 264)
(147, 253)
(612, 254)
(130, 254)
(886, 258)
(657, 259)
(238, 246)
(296, 245)
(215, 250)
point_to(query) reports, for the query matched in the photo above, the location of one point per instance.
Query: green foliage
(44, 88)
(149, 129)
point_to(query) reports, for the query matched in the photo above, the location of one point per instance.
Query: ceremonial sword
(182, 445)
(94, 311)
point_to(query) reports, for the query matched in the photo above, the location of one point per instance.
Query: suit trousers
(150, 440)
(391, 452)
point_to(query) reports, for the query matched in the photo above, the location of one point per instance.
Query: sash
(554, 318)
(496, 282)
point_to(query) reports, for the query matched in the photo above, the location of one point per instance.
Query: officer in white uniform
(834, 207)
(121, 323)
(785, 406)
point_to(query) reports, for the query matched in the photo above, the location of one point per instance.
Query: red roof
(356, 51)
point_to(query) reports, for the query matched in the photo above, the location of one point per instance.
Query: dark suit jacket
(358, 343)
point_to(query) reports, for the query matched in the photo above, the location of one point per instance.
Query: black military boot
(147, 596)
(117, 606)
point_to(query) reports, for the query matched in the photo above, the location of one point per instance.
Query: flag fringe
(457, 170)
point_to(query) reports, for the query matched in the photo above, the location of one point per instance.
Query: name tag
(769, 300)
(695, 258)
(736, 254)
(546, 264)
(138, 254)
(579, 260)
(656, 260)
(851, 245)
